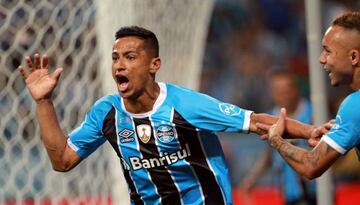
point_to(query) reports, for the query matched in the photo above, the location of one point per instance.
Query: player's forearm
(294, 129)
(52, 135)
(306, 163)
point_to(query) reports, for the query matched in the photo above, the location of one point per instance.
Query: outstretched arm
(293, 128)
(41, 84)
(310, 164)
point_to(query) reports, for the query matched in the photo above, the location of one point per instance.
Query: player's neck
(144, 102)
(355, 85)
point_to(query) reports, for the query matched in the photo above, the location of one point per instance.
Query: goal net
(78, 36)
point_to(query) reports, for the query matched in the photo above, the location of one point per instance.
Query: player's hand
(277, 129)
(318, 132)
(264, 130)
(254, 126)
(38, 80)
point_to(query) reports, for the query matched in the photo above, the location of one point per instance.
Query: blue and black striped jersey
(169, 155)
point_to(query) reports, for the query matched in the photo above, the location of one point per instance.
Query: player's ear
(155, 65)
(355, 57)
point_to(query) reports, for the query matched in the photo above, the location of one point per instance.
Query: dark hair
(349, 20)
(149, 37)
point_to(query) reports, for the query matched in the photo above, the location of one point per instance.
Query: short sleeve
(345, 134)
(208, 113)
(88, 136)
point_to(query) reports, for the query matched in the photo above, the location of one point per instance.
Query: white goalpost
(78, 36)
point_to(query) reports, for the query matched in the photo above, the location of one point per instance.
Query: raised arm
(310, 164)
(41, 84)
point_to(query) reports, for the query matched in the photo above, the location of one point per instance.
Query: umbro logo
(126, 135)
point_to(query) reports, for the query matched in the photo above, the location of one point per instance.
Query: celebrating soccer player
(341, 58)
(163, 134)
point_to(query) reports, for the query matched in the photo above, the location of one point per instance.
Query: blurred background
(248, 43)
(233, 50)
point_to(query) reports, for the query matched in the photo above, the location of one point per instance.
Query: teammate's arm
(310, 164)
(293, 128)
(40, 85)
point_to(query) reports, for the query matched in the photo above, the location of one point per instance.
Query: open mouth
(328, 71)
(123, 82)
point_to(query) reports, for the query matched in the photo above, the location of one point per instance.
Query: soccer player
(341, 58)
(163, 134)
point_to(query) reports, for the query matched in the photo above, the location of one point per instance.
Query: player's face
(133, 67)
(336, 55)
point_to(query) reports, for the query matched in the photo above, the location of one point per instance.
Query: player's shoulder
(355, 95)
(187, 98)
(174, 90)
(349, 106)
(352, 100)
(107, 102)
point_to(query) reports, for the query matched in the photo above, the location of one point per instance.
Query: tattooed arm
(310, 164)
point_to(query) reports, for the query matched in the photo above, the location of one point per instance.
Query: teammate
(341, 58)
(162, 133)
(296, 189)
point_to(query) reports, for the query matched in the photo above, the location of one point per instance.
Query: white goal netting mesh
(78, 36)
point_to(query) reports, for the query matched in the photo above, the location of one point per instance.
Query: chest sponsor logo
(126, 135)
(125, 165)
(166, 159)
(229, 109)
(165, 133)
(144, 132)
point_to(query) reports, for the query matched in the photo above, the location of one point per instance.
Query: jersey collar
(159, 101)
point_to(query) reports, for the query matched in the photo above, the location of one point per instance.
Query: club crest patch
(337, 124)
(229, 109)
(144, 132)
(165, 133)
